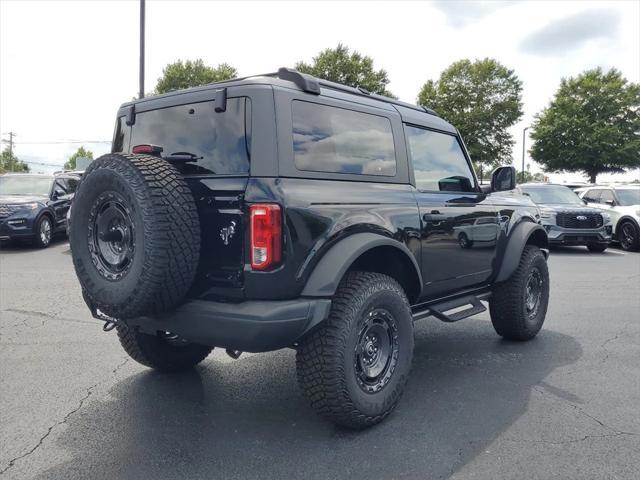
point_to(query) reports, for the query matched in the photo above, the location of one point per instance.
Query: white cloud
(65, 67)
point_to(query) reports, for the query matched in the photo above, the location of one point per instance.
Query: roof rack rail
(311, 84)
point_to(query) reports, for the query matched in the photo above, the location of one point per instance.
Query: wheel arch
(367, 252)
(622, 220)
(525, 233)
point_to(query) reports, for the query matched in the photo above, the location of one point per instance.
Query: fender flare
(515, 246)
(325, 277)
(625, 218)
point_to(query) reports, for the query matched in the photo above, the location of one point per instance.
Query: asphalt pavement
(564, 406)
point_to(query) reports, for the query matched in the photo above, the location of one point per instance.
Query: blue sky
(66, 66)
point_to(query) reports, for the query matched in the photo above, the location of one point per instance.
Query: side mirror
(57, 193)
(503, 179)
(611, 203)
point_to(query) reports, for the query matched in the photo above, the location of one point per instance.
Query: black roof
(287, 78)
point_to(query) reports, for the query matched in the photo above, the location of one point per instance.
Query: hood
(563, 207)
(18, 199)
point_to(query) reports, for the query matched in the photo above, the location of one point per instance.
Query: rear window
(336, 140)
(219, 141)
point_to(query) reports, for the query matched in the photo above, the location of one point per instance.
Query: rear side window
(438, 161)
(592, 196)
(336, 140)
(121, 136)
(218, 141)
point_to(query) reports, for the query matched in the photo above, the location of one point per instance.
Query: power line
(54, 142)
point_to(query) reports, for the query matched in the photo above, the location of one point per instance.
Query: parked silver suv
(622, 202)
(567, 219)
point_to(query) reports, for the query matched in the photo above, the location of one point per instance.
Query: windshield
(552, 194)
(25, 185)
(628, 196)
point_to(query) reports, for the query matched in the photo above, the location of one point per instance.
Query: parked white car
(623, 204)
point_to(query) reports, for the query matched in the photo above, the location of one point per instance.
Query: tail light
(145, 148)
(266, 235)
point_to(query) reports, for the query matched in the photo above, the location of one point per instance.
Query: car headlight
(547, 213)
(23, 206)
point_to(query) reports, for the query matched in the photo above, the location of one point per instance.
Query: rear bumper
(252, 326)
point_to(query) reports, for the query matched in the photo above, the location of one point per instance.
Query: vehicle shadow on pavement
(20, 246)
(247, 419)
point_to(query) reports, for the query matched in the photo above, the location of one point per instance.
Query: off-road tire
(37, 239)
(634, 244)
(596, 247)
(158, 353)
(326, 358)
(507, 304)
(165, 229)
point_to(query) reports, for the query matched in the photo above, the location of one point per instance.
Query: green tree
(349, 68)
(482, 99)
(179, 75)
(10, 163)
(527, 177)
(592, 125)
(81, 152)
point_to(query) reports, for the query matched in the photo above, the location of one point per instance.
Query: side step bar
(441, 310)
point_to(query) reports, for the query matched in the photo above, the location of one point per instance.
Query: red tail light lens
(266, 235)
(150, 149)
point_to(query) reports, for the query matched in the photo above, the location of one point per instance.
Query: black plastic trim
(252, 326)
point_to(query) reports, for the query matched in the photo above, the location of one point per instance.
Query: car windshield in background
(551, 194)
(25, 185)
(628, 196)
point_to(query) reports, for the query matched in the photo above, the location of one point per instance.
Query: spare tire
(135, 235)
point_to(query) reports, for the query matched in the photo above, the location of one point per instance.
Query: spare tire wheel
(135, 235)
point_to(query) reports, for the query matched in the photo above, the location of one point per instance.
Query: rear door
(459, 224)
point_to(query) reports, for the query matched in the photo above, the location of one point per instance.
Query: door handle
(434, 216)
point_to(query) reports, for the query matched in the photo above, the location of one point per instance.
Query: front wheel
(163, 352)
(353, 368)
(43, 232)
(629, 237)
(518, 306)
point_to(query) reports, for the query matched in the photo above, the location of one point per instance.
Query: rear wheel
(353, 368)
(43, 232)
(597, 247)
(518, 306)
(628, 236)
(163, 352)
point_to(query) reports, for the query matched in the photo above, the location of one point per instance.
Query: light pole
(141, 94)
(524, 131)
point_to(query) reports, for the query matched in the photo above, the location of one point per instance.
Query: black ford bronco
(287, 211)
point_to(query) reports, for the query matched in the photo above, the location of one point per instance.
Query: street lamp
(141, 93)
(524, 131)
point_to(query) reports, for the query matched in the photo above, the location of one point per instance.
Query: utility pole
(524, 131)
(10, 142)
(141, 93)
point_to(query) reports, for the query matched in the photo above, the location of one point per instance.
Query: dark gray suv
(567, 218)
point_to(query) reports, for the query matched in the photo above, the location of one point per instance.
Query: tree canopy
(592, 125)
(179, 75)
(482, 99)
(81, 152)
(349, 68)
(10, 163)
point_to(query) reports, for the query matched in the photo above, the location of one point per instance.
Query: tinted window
(438, 161)
(61, 185)
(592, 195)
(218, 138)
(629, 196)
(607, 196)
(330, 139)
(72, 185)
(121, 136)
